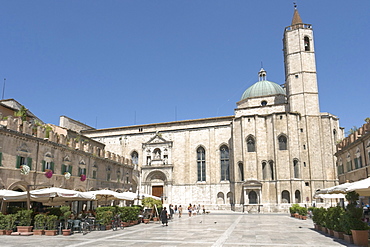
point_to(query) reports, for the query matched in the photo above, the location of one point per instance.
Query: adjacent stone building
(353, 155)
(277, 149)
(37, 155)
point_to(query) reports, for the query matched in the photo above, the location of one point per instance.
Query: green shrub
(40, 221)
(10, 219)
(302, 211)
(294, 208)
(319, 216)
(104, 217)
(51, 222)
(354, 213)
(24, 217)
(3, 222)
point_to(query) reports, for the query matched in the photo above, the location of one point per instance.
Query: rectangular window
(23, 161)
(94, 175)
(47, 166)
(81, 171)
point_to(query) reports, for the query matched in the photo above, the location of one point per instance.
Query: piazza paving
(215, 229)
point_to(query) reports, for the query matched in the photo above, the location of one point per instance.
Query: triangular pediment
(157, 139)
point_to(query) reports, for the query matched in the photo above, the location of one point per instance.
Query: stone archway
(156, 184)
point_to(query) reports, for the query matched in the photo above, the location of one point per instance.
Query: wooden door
(157, 191)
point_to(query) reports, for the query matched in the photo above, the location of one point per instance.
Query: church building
(277, 148)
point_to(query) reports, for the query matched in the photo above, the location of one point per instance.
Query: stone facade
(276, 150)
(353, 155)
(46, 148)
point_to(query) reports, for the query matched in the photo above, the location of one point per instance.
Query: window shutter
(70, 169)
(29, 162)
(43, 165)
(52, 166)
(63, 169)
(18, 163)
(1, 159)
(79, 171)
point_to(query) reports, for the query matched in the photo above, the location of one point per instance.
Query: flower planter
(8, 232)
(304, 217)
(2, 232)
(348, 238)
(146, 221)
(24, 228)
(108, 227)
(50, 232)
(331, 232)
(155, 219)
(360, 237)
(338, 235)
(66, 232)
(125, 224)
(38, 232)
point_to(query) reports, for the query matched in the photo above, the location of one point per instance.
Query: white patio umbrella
(130, 195)
(147, 195)
(108, 195)
(362, 187)
(8, 194)
(329, 196)
(59, 194)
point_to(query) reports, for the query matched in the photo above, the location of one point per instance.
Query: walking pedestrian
(190, 208)
(180, 211)
(164, 216)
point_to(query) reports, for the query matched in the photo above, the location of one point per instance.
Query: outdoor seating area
(51, 213)
(348, 219)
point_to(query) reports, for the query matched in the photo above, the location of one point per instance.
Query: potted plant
(336, 217)
(2, 224)
(39, 225)
(294, 210)
(359, 229)
(25, 218)
(302, 212)
(10, 219)
(152, 204)
(105, 219)
(65, 214)
(51, 225)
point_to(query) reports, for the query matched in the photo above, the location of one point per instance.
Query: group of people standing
(166, 215)
(193, 209)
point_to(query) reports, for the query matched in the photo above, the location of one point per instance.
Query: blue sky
(116, 63)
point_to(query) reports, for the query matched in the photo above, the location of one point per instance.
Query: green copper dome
(263, 87)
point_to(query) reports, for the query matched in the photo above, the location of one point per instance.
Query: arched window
(285, 196)
(264, 171)
(135, 158)
(252, 196)
(201, 164)
(349, 163)
(241, 171)
(282, 142)
(340, 166)
(220, 198)
(271, 163)
(47, 163)
(296, 168)
(224, 156)
(251, 144)
(307, 44)
(297, 196)
(358, 161)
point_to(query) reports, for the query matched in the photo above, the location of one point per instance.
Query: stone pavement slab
(224, 228)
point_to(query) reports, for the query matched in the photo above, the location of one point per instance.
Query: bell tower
(300, 68)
